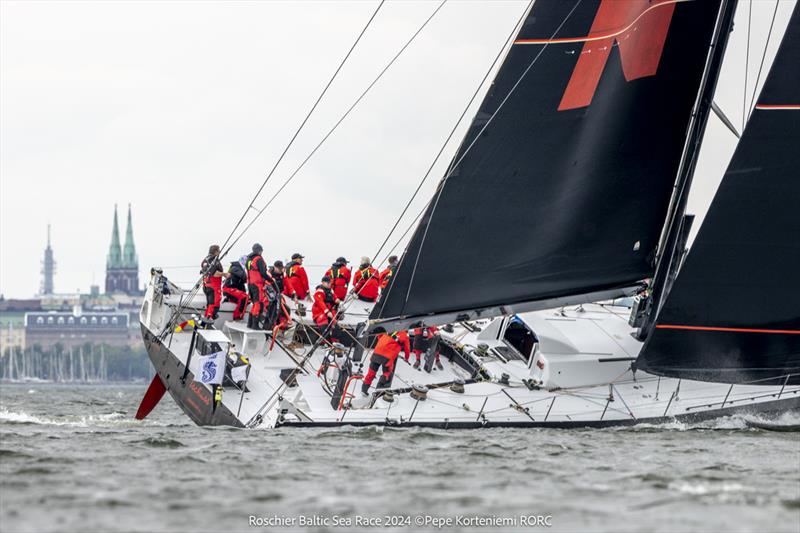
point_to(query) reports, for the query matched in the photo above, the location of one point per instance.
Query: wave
(113, 419)
(732, 422)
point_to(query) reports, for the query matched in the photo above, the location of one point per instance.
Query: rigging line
(325, 138)
(302, 124)
(764, 55)
(196, 287)
(478, 136)
(510, 38)
(746, 65)
(452, 164)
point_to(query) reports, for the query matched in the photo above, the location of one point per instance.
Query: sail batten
(561, 185)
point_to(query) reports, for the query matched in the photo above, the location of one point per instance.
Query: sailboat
(567, 192)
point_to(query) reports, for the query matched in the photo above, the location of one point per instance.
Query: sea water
(72, 458)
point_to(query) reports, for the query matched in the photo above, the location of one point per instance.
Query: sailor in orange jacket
(295, 283)
(340, 277)
(387, 273)
(385, 355)
(365, 283)
(325, 302)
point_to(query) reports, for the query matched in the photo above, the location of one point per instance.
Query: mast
(673, 229)
(731, 316)
(561, 187)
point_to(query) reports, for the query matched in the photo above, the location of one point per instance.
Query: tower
(122, 264)
(48, 267)
(129, 259)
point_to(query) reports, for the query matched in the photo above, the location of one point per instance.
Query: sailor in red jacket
(295, 284)
(424, 341)
(387, 273)
(385, 355)
(257, 276)
(325, 302)
(365, 283)
(340, 277)
(212, 272)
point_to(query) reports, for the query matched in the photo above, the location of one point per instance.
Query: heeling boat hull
(193, 398)
(764, 408)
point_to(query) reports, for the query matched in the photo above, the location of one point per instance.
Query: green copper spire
(129, 259)
(114, 259)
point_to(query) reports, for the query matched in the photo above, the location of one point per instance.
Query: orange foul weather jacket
(340, 279)
(295, 282)
(390, 345)
(386, 276)
(365, 283)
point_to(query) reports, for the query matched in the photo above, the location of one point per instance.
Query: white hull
(580, 370)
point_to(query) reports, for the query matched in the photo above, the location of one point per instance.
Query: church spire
(129, 259)
(48, 267)
(114, 259)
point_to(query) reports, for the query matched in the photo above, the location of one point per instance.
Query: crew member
(256, 278)
(235, 287)
(277, 312)
(365, 282)
(384, 356)
(340, 277)
(296, 279)
(325, 302)
(424, 341)
(387, 273)
(276, 273)
(212, 272)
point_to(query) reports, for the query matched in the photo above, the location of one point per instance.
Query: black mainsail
(561, 186)
(733, 313)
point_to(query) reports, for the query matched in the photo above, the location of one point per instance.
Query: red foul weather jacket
(365, 283)
(324, 301)
(295, 281)
(340, 279)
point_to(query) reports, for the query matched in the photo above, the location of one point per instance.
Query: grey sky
(182, 107)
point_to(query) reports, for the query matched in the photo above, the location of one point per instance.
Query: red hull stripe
(599, 36)
(732, 330)
(779, 107)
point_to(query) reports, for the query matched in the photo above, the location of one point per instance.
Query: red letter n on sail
(639, 28)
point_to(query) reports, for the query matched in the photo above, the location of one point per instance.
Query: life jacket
(367, 284)
(209, 267)
(295, 280)
(238, 277)
(386, 276)
(339, 275)
(277, 279)
(254, 276)
(323, 301)
(291, 269)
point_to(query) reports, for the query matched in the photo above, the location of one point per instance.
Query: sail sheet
(562, 182)
(733, 313)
